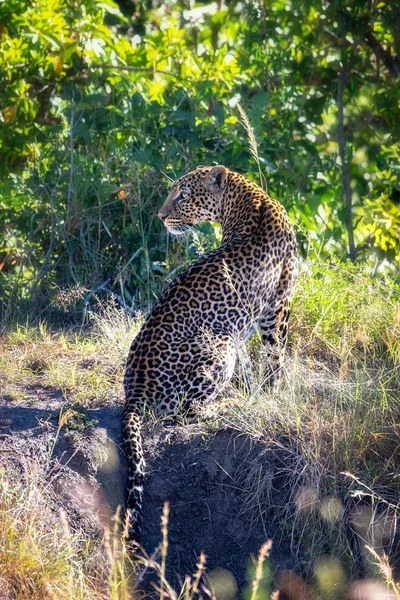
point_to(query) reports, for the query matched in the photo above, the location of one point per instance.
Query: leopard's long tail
(131, 429)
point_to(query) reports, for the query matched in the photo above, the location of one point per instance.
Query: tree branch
(134, 69)
(392, 63)
(346, 180)
(362, 28)
(103, 287)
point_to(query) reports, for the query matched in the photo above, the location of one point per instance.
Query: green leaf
(219, 113)
(260, 101)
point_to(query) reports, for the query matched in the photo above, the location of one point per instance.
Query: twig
(103, 288)
(70, 184)
(71, 156)
(134, 69)
(45, 265)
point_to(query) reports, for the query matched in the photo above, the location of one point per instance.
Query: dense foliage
(101, 101)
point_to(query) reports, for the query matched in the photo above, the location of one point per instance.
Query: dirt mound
(227, 493)
(80, 462)
(222, 487)
(224, 496)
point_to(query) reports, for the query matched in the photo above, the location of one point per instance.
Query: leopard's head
(194, 198)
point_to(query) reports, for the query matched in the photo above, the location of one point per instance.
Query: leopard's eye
(181, 196)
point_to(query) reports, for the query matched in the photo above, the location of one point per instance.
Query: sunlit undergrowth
(346, 315)
(341, 396)
(339, 402)
(337, 413)
(85, 366)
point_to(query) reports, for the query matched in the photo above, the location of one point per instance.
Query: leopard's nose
(161, 215)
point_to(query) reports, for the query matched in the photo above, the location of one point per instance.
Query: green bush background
(102, 102)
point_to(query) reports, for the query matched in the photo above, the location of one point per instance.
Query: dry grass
(85, 367)
(244, 119)
(337, 416)
(43, 556)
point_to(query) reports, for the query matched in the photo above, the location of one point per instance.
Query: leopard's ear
(215, 180)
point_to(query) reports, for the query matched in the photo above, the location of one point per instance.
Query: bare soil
(225, 498)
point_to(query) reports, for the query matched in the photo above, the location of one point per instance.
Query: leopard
(187, 348)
